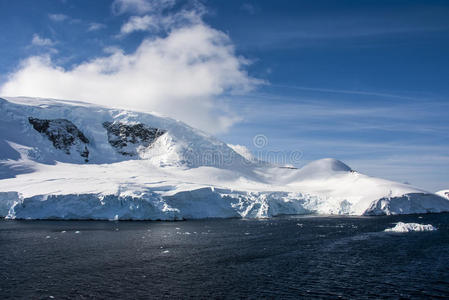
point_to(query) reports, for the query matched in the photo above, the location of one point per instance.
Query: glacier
(62, 159)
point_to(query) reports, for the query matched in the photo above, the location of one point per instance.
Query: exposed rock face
(127, 138)
(63, 134)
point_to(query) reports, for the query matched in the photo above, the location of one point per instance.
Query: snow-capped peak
(325, 167)
(107, 135)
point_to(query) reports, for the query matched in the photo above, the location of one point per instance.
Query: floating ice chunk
(408, 227)
(47, 237)
(166, 251)
(77, 232)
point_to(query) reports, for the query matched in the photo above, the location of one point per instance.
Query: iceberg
(409, 227)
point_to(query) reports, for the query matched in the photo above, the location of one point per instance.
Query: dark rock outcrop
(126, 138)
(63, 134)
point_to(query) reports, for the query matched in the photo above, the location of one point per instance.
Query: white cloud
(137, 23)
(95, 26)
(39, 41)
(140, 6)
(157, 21)
(58, 17)
(181, 75)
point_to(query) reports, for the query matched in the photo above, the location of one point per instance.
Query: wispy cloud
(40, 41)
(58, 17)
(249, 8)
(91, 26)
(360, 26)
(140, 6)
(348, 92)
(95, 26)
(321, 107)
(425, 170)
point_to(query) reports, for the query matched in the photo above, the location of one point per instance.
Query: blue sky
(362, 81)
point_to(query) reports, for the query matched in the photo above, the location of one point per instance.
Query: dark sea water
(286, 257)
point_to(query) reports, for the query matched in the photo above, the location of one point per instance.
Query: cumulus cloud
(182, 75)
(137, 23)
(182, 70)
(40, 41)
(140, 6)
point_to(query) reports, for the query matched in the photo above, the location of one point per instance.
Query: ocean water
(286, 257)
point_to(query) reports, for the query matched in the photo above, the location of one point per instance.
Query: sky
(365, 82)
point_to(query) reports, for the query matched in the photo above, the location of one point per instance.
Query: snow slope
(444, 194)
(73, 160)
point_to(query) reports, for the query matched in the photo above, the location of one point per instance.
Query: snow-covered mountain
(73, 160)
